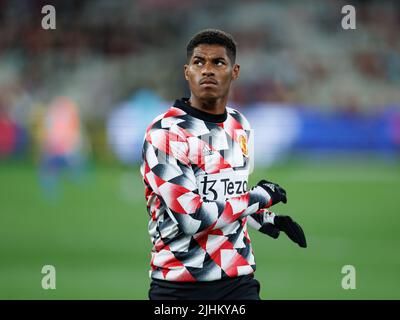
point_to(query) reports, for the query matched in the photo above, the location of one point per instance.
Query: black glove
(275, 191)
(270, 229)
(291, 228)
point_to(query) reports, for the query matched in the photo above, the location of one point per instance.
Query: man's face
(210, 72)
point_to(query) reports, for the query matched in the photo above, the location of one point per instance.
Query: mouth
(208, 82)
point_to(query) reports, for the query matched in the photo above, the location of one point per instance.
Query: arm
(167, 170)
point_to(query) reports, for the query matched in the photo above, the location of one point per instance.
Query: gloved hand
(270, 229)
(275, 191)
(291, 228)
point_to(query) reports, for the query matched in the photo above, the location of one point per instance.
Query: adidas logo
(271, 186)
(207, 151)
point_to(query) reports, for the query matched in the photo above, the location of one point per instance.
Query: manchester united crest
(243, 145)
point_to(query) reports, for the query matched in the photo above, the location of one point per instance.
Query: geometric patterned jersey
(195, 169)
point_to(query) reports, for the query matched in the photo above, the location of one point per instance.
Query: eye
(198, 63)
(220, 63)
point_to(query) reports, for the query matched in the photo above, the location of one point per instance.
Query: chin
(209, 96)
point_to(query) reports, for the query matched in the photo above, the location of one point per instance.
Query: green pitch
(95, 234)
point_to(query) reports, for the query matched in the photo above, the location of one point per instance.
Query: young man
(196, 162)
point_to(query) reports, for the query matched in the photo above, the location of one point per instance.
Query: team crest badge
(243, 145)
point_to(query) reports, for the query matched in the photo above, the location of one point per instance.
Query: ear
(186, 68)
(235, 72)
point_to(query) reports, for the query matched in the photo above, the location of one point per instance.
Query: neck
(213, 106)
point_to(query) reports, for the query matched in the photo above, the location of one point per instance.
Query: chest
(221, 161)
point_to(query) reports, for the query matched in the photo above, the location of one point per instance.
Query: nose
(207, 70)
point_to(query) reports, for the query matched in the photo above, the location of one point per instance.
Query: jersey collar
(202, 115)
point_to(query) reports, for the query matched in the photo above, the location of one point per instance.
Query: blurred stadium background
(74, 102)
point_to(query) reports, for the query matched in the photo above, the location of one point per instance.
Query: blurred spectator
(64, 146)
(8, 132)
(13, 137)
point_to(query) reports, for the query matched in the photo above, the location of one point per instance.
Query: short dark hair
(213, 36)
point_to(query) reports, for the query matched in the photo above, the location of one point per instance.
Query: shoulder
(238, 116)
(166, 136)
(165, 128)
(166, 120)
